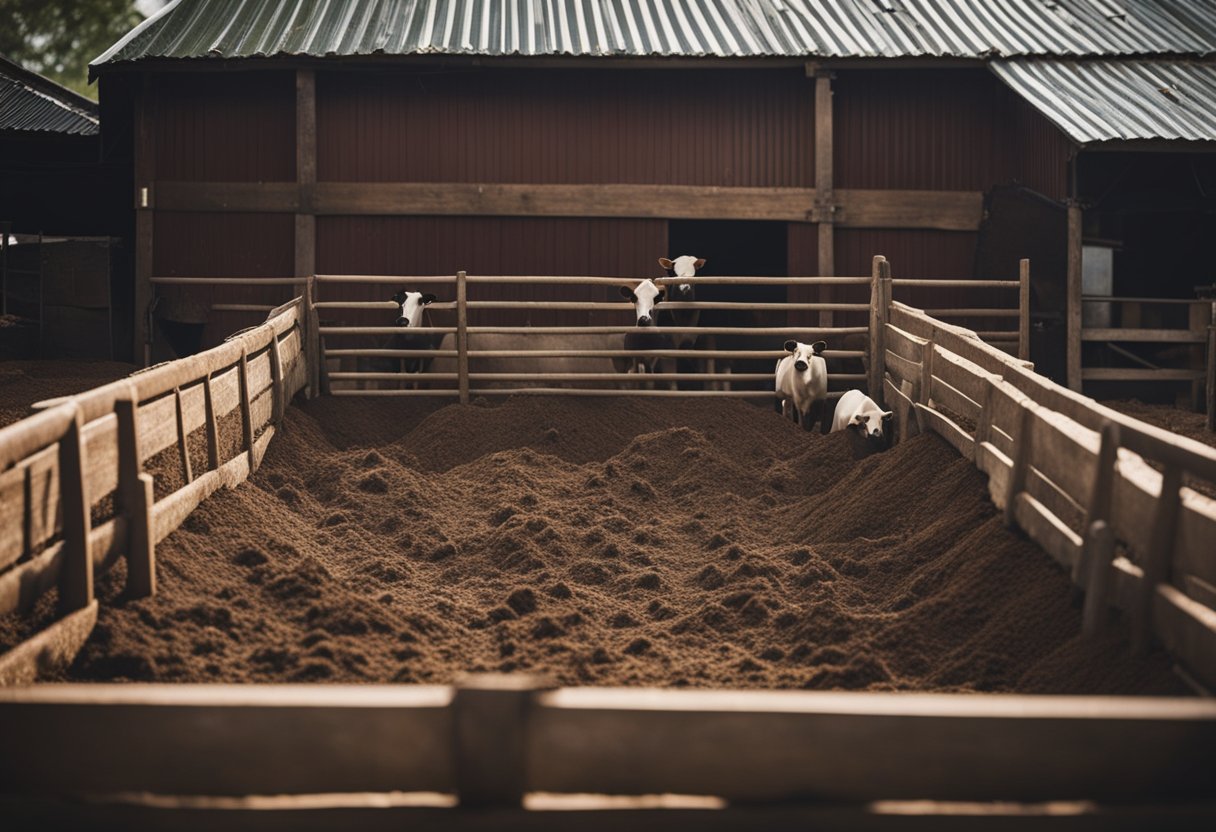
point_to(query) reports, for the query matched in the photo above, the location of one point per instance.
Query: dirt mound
(629, 542)
(24, 382)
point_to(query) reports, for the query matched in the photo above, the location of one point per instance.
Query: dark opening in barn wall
(1156, 211)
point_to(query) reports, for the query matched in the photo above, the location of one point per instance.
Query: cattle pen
(1120, 505)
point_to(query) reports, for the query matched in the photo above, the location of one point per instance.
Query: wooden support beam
(246, 412)
(305, 207)
(1158, 560)
(183, 436)
(144, 199)
(212, 425)
(1024, 309)
(825, 207)
(1022, 448)
(866, 208)
(1072, 309)
(277, 392)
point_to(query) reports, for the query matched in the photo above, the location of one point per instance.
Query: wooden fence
(60, 466)
(1106, 495)
(497, 752)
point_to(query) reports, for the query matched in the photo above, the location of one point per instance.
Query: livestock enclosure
(1079, 479)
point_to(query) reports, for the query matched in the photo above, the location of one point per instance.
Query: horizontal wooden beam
(1173, 336)
(944, 210)
(1139, 374)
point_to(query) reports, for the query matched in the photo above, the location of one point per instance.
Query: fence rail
(1075, 476)
(60, 463)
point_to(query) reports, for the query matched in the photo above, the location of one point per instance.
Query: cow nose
(644, 320)
(403, 322)
(800, 366)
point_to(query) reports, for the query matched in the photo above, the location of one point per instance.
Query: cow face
(644, 296)
(411, 304)
(803, 353)
(872, 424)
(684, 266)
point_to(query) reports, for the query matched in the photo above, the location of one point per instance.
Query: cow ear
(661, 295)
(399, 297)
(887, 414)
(626, 292)
(699, 263)
(791, 346)
(428, 298)
(665, 263)
(819, 346)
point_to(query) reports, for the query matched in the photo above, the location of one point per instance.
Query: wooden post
(277, 402)
(1021, 463)
(490, 717)
(246, 411)
(144, 198)
(926, 374)
(1098, 548)
(462, 336)
(1158, 561)
(76, 574)
(313, 343)
(212, 425)
(306, 221)
(135, 499)
(1072, 309)
(875, 361)
(884, 313)
(183, 438)
(1100, 552)
(983, 425)
(1199, 320)
(825, 198)
(1211, 373)
(1024, 309)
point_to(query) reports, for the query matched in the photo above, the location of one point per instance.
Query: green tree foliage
(58, 38)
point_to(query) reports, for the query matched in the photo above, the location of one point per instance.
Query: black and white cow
(410, 315)
(645, 296)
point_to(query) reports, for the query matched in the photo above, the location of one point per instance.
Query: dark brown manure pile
(626, 542)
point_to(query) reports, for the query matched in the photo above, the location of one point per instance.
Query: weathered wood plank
(750, 746)
(901, 369)
(1175, 336)
(1066, 453)
(25, 583)
(947, 429)
(965, 376)
(1048, 530)
(257, 739)
(953, 398)
(51, 649)
(905, 344)
(29, 504)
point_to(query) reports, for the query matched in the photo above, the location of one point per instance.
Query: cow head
(803, 353)
(644, 296)
(872, 424)
(411, 304)
(683, 266)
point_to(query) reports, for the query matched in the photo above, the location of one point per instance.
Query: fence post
(182, 436)
(1098, 549)
(490, 718)
(1211, 373)
(462, 336)
(212, 425)
(76, 574)
(1024, 309)
(1158, 561)
(312, 345)
(877, 320)
(926, 373)
(136, 500)
(1021, 463)
(277, 393)
(246, 410)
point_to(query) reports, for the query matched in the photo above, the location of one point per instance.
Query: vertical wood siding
(753, 127)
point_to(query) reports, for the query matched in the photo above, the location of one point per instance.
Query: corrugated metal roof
(31, 103)
(1100, 100)
(668, 28)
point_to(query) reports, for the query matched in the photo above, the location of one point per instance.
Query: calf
(858, 411)
(802, 382)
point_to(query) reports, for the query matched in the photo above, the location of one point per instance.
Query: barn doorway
(734, 248)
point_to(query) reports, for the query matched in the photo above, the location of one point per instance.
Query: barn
(774, 138)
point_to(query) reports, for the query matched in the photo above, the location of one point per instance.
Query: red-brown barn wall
(745, 128)
(226, 127)
(225, 245)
